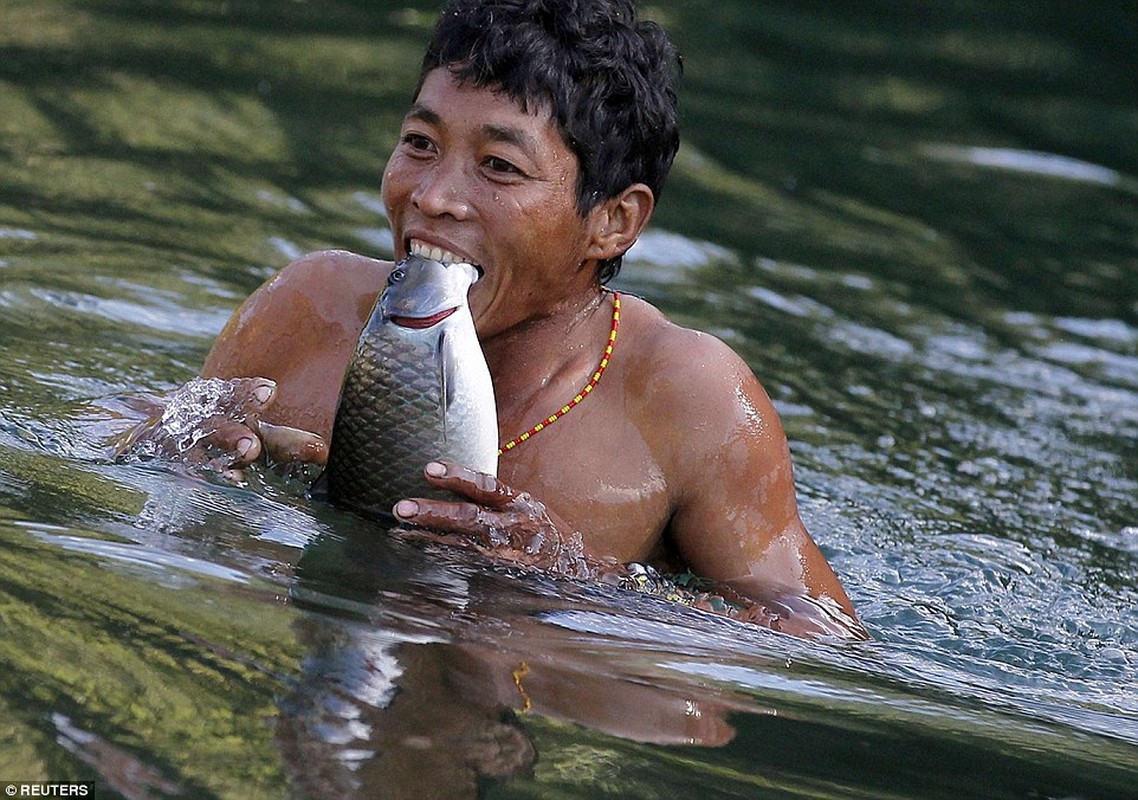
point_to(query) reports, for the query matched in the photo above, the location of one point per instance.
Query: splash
(187, 415)
(190, 409)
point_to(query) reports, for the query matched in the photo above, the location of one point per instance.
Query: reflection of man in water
(536, 147)
(455, 676)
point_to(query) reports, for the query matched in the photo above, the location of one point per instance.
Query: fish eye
(395, 276)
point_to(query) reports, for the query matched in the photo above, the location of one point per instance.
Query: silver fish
(417, 388)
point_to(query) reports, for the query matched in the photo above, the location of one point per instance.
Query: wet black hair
(608, 78)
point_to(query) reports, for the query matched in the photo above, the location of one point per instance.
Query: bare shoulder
(708, 419)
(327, 287)
(335, 281)
(688, 372)
(299, 329)
(326, 262)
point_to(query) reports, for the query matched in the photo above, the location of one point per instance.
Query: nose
(442, 190)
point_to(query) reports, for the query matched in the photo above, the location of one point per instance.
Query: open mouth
(420, 323)
(418, 248)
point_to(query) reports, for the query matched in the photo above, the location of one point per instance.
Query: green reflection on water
(172, 126)
(178, 679)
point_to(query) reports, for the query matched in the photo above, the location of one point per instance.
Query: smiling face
(479, 179)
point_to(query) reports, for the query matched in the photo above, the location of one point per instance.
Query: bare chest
(598, 473)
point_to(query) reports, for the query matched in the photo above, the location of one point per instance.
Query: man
(536, 147)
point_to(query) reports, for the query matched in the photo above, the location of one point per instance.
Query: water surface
(918, 222)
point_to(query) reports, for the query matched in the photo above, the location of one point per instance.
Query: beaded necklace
(592, 384)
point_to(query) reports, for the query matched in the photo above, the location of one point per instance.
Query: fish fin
(319, 489)
(442, 357)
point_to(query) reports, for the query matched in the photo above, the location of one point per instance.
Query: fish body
(416, 389)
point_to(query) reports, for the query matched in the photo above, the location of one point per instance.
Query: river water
(918, 221)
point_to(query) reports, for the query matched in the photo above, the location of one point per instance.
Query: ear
(618, 221)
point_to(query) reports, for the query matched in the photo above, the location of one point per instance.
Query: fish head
(422, 292)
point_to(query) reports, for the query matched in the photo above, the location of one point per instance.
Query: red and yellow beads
(592, 384)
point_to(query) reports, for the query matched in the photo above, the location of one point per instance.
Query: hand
(217, 425)
(804, 616)
(498, 521)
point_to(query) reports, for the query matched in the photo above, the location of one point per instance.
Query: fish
(417, 389)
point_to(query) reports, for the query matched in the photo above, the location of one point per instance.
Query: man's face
(476, 176)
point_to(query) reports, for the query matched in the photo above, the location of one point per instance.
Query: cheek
(554, 226)
(386, 182)
(393, 186)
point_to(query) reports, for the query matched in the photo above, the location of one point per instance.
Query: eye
(501, 166)
(418, 142)
(395, 276)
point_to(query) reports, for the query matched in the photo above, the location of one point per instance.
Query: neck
(548, 351)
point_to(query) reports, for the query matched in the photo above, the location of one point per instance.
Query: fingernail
(437, 470)
(264, 392)
(244, 445)
(406, 508)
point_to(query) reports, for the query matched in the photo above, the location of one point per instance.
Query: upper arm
(735, 515)
(299, 328)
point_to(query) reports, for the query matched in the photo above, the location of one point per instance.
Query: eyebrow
(422, 112)
(498, 133)
(507, 135)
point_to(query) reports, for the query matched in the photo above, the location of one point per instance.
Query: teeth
(434, 253)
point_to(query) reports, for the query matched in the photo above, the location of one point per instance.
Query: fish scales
(413, 392)
(387, 423)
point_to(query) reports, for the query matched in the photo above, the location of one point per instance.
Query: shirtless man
(536, 146)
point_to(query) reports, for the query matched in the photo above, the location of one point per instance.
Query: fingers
(230, 444)
(490, 510)
(206, 422)
(285, 445)
(495, 520)
(441, 515)
(248, 398)
(478, 487)
(233, 441)
(498, 534)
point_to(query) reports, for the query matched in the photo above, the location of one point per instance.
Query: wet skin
(677, 456)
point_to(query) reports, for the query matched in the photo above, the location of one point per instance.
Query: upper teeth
(434, 253)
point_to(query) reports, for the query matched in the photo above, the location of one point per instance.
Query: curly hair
(608, 78)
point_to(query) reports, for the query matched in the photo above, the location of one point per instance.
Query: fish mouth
(421, 323)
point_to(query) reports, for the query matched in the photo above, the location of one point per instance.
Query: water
(918, 223)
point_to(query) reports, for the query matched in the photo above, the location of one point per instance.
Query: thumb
(285, 445)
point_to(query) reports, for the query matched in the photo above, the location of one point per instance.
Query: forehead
(465, 108)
